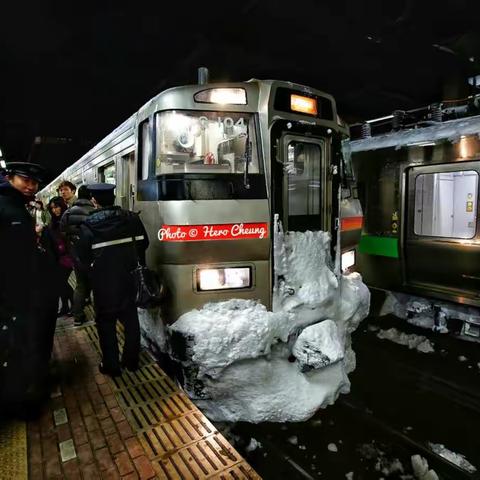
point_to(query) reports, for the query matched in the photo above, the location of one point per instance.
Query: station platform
(137, 426)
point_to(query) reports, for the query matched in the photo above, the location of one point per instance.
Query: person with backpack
(70, 224)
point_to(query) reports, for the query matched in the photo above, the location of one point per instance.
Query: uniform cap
(100, 187)
(25, 169)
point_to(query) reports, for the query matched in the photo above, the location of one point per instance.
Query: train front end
(219, 162)
(203, 169)
(239, 186)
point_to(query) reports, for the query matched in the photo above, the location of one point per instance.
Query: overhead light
(222, 96)
(380, 119)
(464, 152)
(301, 104)
(421, 144)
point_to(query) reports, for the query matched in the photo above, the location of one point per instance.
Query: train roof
(182, 98)
(451, 130)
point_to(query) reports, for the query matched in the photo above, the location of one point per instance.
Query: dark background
(72, 71)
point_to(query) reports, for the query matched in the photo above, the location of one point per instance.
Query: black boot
(111, 372)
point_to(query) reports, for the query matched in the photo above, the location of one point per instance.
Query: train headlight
(223, 278)
(223, 96)
(348, 260)
(301, 104)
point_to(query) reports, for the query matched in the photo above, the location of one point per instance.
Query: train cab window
(446, 204)
(107, 174)
(206, 142)
(145, 150)
(303, 167)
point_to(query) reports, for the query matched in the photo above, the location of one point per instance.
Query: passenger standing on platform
(3, 179)
(39, 214)
(23, 306)
(56, 208)
(67, 191)
(106, 246)
(70, 224)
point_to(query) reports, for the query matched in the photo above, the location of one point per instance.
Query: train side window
(446, 204)
(145, 150)
(107, 174)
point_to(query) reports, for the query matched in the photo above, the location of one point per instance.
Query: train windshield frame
(206, 142)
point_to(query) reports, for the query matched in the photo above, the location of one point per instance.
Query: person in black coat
(3, 179)
(70, 224)
(56, 208)
(106, 248)
(24, 308)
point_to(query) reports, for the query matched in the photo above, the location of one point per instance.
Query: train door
(442, 248)
(126, 180)
(299, 183)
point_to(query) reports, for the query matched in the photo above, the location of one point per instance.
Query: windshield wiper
(248, 153)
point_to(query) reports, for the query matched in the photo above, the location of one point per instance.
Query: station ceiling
(79, 71)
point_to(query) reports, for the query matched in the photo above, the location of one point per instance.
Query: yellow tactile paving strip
(179, 440)
(13, 450)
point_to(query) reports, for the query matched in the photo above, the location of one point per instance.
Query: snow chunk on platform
(303, 271)
(272, 390)
(318, 346)
(455, 458)
(237, 330)
(421, 470)
(253, 445)
(293, 440)
(244, 363)
(332, 448)
(412, 341)
(153, 329)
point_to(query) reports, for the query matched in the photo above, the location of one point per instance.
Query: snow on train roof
(450, 130)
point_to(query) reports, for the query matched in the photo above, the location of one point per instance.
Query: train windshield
(206, 142)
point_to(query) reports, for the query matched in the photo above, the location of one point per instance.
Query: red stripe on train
(351, 223)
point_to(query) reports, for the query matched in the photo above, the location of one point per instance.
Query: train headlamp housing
(222, 96)
(348, 260)
(224, 278)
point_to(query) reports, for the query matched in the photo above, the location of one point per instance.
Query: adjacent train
(208, 166)
(418, 182)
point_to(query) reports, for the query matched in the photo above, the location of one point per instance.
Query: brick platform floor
(139, 426)
(84, 420)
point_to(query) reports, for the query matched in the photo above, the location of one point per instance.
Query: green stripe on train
(384, 246)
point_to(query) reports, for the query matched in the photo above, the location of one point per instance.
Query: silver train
(209, 165)
(418, 181)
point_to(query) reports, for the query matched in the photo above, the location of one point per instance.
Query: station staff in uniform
(23, 306)
(107, 250)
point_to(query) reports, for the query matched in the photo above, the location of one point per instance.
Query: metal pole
(203, 75)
